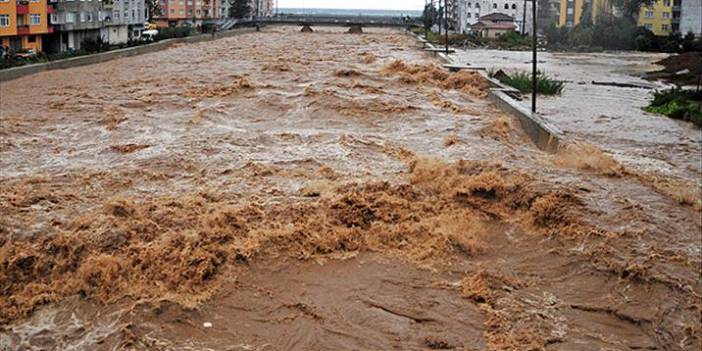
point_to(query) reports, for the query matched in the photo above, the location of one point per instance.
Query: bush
(522, 81)
(678, 103)
(176, 32)
(94, 45)
(513, 39)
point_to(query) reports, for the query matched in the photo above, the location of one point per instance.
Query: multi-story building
(24, 24)
(470, 11)
(75, 22)
(657, 17)
(690, 16)
(572, 10)
(193, 12)
(125, 17)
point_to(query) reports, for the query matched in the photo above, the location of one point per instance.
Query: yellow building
(23, 22)
(658, 17)
(572, 11)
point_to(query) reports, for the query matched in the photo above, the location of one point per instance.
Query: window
(494, 6)
(182, 12)
(34, 19)
(570, 11)
(477, 6)
(70, 17)
(4, 20)
(32, 39)
(54, 18)
(89, 17)
(649, 14)
(5, 1)
(649, 26)
(82, 16)
(514, 6)
(666, 14)
(477, 15)
(470, 5)
(172, 11)
(506, 6)
(665, 27)
(468, 14)
(666, 3)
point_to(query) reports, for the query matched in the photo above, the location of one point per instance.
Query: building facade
(124, 17)
(178, 12)
(657, 17)
(470, 11)
(690, 16)
(76, 21)
(24, 25)
(572, 11)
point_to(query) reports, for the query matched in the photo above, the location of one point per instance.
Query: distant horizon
(392, 5)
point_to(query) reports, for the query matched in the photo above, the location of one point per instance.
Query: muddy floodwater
(313, 191)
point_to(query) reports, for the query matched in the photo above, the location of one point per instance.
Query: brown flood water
(312, 191)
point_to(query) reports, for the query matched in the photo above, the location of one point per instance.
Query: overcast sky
(355, 4)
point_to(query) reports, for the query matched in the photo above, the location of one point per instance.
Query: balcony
(22, 29)
(22, 9)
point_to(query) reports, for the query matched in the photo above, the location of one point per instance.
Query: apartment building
(24, 24)
(75, 22)
(178, 12)
(470, 12)
(125, 20)
(572, 11)
(657, 17)
(690, 16)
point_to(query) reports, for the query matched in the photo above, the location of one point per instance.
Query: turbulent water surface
(311, 191)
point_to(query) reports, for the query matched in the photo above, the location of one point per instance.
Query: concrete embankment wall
(544, 135)
(21, 71)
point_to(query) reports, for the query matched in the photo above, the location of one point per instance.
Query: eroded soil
(310, 191)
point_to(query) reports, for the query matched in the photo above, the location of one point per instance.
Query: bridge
(325, 20)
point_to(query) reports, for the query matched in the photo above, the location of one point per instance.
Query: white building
(691, 17)
(470, 11)
(125, 22)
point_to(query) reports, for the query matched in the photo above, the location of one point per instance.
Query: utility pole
(533, 63)
(524, 18)
(446, 25)
(427, 13)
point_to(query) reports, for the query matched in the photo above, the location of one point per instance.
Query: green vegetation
(678, 103)
(175, 32)
(522, 81)
(512, 40)
(440, 38)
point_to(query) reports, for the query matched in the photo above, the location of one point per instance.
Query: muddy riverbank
(307, 191)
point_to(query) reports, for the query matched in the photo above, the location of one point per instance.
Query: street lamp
(533, 50)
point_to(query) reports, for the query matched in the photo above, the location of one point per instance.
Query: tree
(429, 15)
(631, 8)
(154, 9)
(239, 9)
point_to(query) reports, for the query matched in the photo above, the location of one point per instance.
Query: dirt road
(313, 191)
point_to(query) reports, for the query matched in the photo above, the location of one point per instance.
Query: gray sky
(356, 4)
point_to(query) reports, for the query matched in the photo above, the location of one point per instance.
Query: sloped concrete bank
(17, 72)
(544, 135)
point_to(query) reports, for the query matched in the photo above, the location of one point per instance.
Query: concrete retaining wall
(17, 72)
(544, 135)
